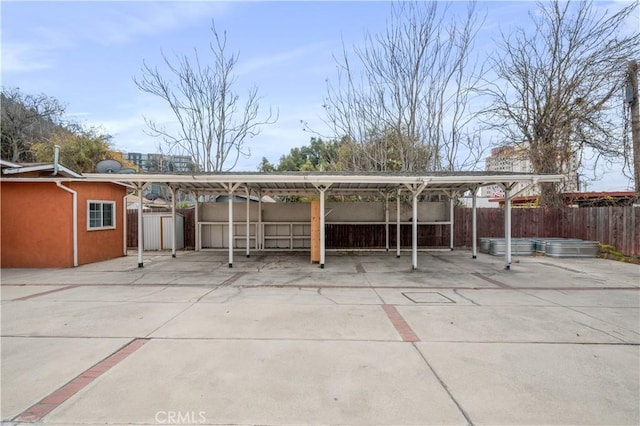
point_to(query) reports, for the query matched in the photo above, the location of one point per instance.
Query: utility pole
(632, 98)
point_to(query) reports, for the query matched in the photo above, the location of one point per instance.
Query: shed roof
(38, 168)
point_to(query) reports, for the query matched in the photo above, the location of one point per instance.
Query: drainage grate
(427, 297)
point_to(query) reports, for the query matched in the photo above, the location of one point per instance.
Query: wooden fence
(615, 226)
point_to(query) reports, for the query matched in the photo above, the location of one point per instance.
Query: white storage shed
(158, 231)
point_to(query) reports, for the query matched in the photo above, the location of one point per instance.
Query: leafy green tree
(79, 151)
(317, 156)
(266, 166)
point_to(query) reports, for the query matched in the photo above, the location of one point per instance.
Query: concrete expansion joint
(444, 386)
(402, 327)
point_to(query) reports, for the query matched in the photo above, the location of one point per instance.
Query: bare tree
(25, 120)
(558, 87)
(633, 106)
(214, 123)
(401, 101)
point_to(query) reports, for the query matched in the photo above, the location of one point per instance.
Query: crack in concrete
(597, 329)
(466, 298)
(319, 291)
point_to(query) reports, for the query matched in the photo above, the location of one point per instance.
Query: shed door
(167, 232)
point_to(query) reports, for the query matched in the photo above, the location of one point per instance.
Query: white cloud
(32, 55)
(261, 63)
(100, 23)
(22, 57)
(123, 24)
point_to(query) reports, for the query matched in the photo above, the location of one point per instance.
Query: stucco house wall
(102, 244)
(37, 224)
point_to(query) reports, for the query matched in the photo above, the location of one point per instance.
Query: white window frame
(113, 215)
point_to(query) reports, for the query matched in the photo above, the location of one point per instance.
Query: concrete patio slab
(11, 292)
(126, 293)
(75, 276)
(351, 296)
(86, 319)
(280, 321)
(422, 278)
(293, 295)
(27, 373)
(527, 384)
(177, 265)
(627, 319)
(510, 324)
(316, 278)
(21, 276)
(593, 298)
(211, 278)
(267, 382)
(478, 297)
(502, 297)
(426, 296)
(277, 340)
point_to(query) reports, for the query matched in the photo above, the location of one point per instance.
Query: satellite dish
(127, 171)
(108, 166)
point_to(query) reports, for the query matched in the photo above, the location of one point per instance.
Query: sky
(86, 54)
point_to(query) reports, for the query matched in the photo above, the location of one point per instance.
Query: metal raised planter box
(519, 247)
(571, 248)
(485, 244)
(541, 243)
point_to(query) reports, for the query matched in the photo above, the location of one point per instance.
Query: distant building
(514, 159)
(161, 163)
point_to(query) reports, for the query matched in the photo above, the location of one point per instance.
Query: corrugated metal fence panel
(167, 232)
(152, 232)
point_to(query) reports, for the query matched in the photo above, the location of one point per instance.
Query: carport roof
(300, 183)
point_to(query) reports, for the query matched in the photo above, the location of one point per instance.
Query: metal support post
(451, 214)
(474, 227)
(259, 240)
(174, 225)
(140, 227)
(386, 221)
(507, 226)
(398, 224)
(198, 244)
(230, 236)
(248, 227)
(414, 233)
